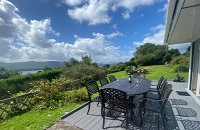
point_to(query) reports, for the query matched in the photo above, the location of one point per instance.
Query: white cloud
(96, 11)
(157, 37)
(109, 36)
(115, 34)
(182, 47)
(132, 4)
(141, 15)
(21, 40)
(115, 26)
(14, 27)
(158, 27)
(98, 47)
(73, 2)
(164, 8)
(126, 15)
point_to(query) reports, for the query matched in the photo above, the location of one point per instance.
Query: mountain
(32, 65)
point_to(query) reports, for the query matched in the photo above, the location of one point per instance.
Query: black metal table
(137, 85)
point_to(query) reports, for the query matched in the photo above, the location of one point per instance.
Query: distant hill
(32, 65)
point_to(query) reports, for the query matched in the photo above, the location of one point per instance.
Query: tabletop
(136, 86)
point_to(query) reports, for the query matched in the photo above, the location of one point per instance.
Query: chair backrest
(167, 92)
(92, 87)
(103, 81)
(160, 81)
(162, 89)
(114, 97)
(162, 84)
(112, 78)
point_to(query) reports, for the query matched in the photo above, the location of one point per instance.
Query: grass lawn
(155, 72)
(36, 120)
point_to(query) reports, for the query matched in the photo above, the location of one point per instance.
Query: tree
(71, 62)
(86, 60)
(150, 54)
(46, 68)
(4, 73)
(131, 62)
(106, 66)
(174, 52)
(2, 69)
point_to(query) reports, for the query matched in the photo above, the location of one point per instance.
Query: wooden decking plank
(85, 118)
(92, 125)
(90, 120)
(191, 122)
(76, 115)
(178, 117)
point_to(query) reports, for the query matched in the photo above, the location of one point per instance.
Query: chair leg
(140, 115)
(131, 114)
(88, 107)
(126, 116)
(101, 110)
(98, 104)
(103, 116)
(163, 120)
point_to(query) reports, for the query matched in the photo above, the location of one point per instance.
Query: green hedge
(21, 82)
(181, 68)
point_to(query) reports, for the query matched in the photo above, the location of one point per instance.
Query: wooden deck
(182, 112)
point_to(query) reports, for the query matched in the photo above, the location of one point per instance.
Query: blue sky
(108, 30)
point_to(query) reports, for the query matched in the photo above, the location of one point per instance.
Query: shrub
(82, 73)
(76, 96)
(183, 60)
(128, 69)
(48, 94)
(21, 82)
(52, 94)
(181, 68)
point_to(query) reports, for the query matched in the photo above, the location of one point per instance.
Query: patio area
(182, 113)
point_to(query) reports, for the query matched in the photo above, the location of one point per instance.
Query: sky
(107, 30)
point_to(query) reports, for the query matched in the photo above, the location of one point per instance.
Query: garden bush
(116, 68)
(49, 94)
(181, 68)
(76, 96)
(182, 60)
(21, 82)
(82, 73)
(130, 69)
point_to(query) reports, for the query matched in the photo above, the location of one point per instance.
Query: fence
(15, 105)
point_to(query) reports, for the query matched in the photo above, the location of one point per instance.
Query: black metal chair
(158, 105)
(115, 100)
(103, 81)
(157, 93)
(158, 84)
(112, 78)
(92, 88)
